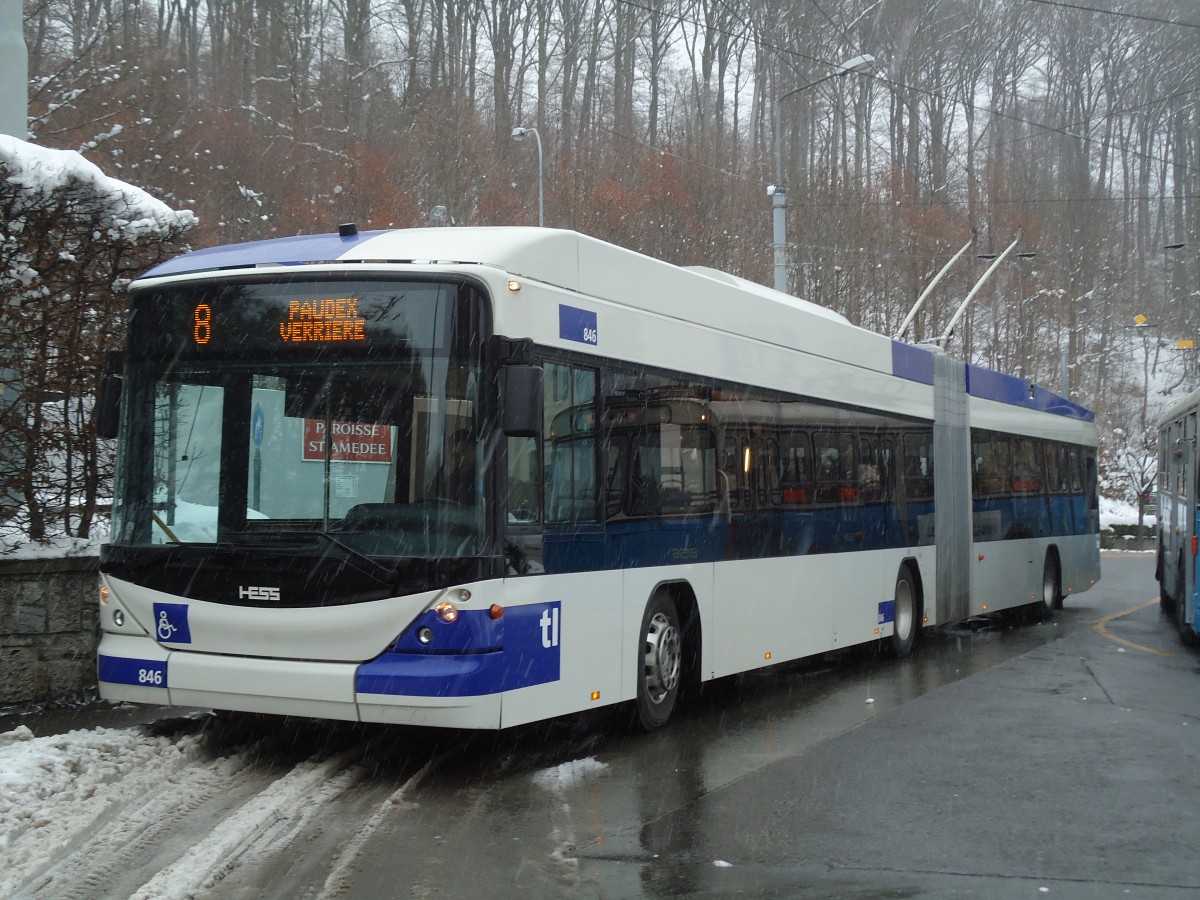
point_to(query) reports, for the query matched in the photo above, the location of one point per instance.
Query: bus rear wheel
(660, 663)
(1186, 634)
(907, 616)
(1052, 596)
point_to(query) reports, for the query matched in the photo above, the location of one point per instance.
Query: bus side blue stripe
(912, 362)
(989, 385)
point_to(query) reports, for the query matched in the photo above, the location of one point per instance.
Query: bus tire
(1165, 601)
(907, 616)
(1186, 634)
(660, 662)
(1052, 595)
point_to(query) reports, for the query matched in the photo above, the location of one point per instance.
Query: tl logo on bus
(549, 623)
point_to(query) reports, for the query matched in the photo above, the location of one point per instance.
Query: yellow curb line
(1100, 629)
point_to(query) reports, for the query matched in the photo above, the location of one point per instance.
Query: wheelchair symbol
(165, 628)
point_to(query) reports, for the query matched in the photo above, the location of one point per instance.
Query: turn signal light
(446, 612)
(103, 595)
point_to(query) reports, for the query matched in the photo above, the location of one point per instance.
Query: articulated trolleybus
(1179, 515)
(481, 477)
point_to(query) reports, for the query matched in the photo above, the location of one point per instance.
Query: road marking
(1100, 627)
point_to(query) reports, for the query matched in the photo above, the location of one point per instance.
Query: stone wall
(49, 628)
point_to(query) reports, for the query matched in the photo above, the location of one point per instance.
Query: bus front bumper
(139, 670)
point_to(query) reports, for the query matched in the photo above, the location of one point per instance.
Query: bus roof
(550, 255)
(1177, 408)
(573, 261)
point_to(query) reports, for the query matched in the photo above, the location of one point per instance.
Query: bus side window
(1054, 479)
(1076, 474)
(870, 470)
(570, 455)
(616, 474)
(1027, 476)
(524, 500)
(918, 467)
(797, 475)
(731, 468)
(837, 468)
(992, 470)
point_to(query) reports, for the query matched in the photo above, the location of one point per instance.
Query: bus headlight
(119, 618)
(425, 634)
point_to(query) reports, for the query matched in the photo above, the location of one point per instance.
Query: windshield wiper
(351, 551)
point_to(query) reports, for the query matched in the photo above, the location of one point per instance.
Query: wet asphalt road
(1048, 759)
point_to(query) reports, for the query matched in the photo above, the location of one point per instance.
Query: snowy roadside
(56, 790)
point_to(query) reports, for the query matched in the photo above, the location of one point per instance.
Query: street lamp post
(517, 134)
(778, 191)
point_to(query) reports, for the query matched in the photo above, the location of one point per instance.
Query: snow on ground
(1118, 512)
(569, 774)
(55, 790)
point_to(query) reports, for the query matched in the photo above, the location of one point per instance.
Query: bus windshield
(329, 414)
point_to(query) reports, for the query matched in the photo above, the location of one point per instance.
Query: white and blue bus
(1179, 514)
(478, 477)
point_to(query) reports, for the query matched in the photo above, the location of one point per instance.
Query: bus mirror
(522, 389)
(108, 407)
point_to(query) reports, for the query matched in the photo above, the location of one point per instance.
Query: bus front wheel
(660, 663)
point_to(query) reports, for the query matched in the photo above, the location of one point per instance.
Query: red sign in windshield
(352, 442)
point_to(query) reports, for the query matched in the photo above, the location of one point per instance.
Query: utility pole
(14, 121)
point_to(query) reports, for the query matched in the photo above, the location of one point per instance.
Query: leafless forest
(1078, 124)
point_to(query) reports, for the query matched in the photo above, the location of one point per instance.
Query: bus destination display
(240, 319)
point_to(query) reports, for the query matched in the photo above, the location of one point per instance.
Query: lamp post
(777, 191)
(517, 134)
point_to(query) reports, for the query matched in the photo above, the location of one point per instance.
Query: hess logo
(257, 592)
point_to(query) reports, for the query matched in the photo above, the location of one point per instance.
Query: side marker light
(985, 606)
(767, 655)
(495, 610)
(595, 695)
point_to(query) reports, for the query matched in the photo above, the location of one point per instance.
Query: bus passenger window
(731, 467)
(992, 465)
(870, 474)
(523, 503)
(1027, 476)
(796, 475)
(837, 469)
(1054, 469)
(918, 466)
(570, 444)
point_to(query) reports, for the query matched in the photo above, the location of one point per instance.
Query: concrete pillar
(14, 72)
